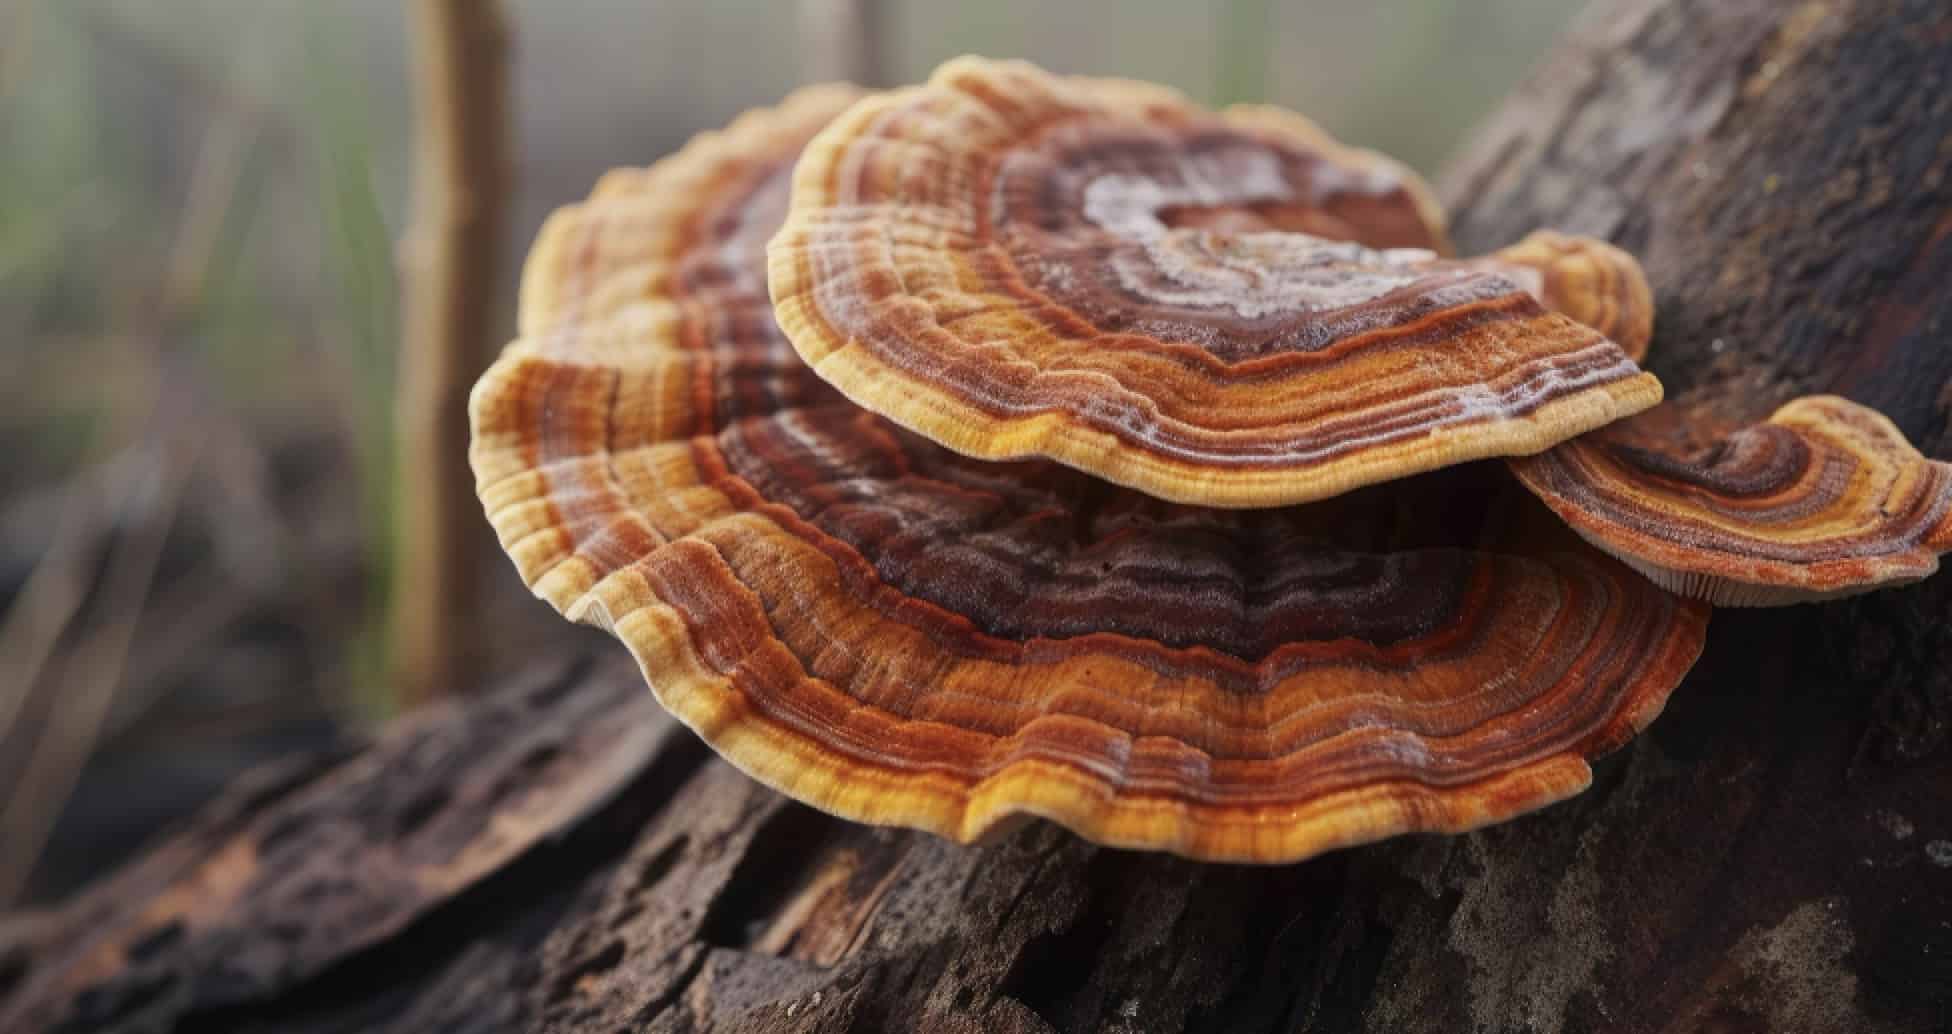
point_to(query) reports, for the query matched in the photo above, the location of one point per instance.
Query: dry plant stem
(92, 671)
(845, 41)
(183, 621)
(449, 263)
(213, 185)
(18, 17)
(209, 91)
(45, 606)
(90, 675)
(71, 526)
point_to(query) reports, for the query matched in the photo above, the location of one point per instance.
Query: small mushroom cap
(1825, 499)
(1588, 280)
(899, 634)
(1223, 309)
(626, 245)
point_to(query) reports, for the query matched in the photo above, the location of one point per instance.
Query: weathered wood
(1775, 855)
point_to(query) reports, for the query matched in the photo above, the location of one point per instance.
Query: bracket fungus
(900, 633)
(1590, 281)
(1221, 309)
(1824, 499)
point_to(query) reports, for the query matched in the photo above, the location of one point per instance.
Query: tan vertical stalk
(450, 261)
(845, 41)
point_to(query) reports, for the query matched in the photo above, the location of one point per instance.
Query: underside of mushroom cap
(1223, 309)
(1824, 499)
(901, 634)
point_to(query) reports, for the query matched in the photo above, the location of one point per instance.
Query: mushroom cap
(1224, 309)
(1589, 280)
(900, 634)
(1824, 499)
(627, 245)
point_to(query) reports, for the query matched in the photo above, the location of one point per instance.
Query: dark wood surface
(1774, 855)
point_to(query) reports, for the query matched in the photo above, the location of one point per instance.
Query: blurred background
(202, 312)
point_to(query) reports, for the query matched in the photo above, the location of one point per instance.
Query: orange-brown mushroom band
(1824, 499)
(1224, 309)
(900, 634)
(1590, 281)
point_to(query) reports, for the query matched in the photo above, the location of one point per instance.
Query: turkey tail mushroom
(1211, 308)
(1589, 280)
(898, 633)
(1824, 499)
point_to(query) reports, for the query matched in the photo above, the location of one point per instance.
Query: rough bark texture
(1775, 855)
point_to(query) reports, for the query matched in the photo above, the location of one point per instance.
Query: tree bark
(450, 265)
(1775, 854)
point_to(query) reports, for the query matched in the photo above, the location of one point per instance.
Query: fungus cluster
(1078, 453)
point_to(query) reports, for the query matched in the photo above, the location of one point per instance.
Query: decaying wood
(450, 271)
(1774, 855)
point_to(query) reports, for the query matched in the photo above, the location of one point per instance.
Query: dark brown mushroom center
(1035, 551)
